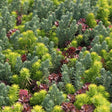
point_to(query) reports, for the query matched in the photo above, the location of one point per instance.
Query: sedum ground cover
(55, 56)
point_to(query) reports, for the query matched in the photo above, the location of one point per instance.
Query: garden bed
(55, 56)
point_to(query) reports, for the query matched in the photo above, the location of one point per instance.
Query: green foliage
(27, 40)
(33, 24)
(90, 20)
(24, 78)
(76, 77)
(105, 80)
(82, 8)
(67, 29)
(103, 11)
(97, 46)
(95, 95)
(69, 88)
(5, 72)
(13, 93)
(100, 29)
(17, 107)
(11, 56)
(4, 42)
(36, 73)
(93, 72)
(38, 97)
(14, 5)
(26, 18)
(46, 28)
(81, 100)
(41, 49)
(54, 97)
(109, 41)
(57, 108)
(47, 24)
(4, 90)
(43, 7)
(108, 60)
(37, 108)
(8, 20)
(65, 75)
(102, 109)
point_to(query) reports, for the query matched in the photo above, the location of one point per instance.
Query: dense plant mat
(55, 56)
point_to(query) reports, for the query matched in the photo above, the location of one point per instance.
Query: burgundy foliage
(83, 89)
(19, 20)
(82, 21)
(56, 23)
(97, 21)
(69, 107)
(55, 77)
(24, 98)
(87, 108)
(35, 88)
(23, 57)
(64, 61)
(72, 52)
(71, 97)
(10, 32)
(43, 87)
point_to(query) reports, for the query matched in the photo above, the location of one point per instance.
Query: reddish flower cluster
(55, 77)
(11, 32)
